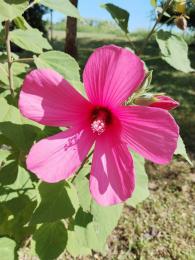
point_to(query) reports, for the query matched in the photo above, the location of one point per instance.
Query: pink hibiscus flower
(110, 76)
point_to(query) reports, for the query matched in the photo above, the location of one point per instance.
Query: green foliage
(30, 40)
(50, 239)
(21, 23)
(60, 62)
(141, 191)
(174, 50)
(19, 131)
(7, 247)
(10, 9)
(120, 15)
(181, 150)
(55, 204)
(62, 6)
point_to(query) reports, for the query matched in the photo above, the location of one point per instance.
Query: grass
(163, 227)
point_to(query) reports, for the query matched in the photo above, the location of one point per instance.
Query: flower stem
(23, 60)
(9, 57)
(168, 3)
(130, 41)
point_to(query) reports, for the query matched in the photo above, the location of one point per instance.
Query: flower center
(100, 118)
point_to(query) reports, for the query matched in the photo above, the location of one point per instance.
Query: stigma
(101, 118)
(98, 126)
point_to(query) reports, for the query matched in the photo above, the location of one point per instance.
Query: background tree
(71, 34)
(34, 16)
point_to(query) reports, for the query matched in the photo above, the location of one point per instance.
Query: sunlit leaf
(141, 191)
(62, 6)
(93, 228)
(30, 40)
(9, 9)
(174, 50)
(7, 247)
(21, 23)
(181, 150)
(60, 62)
(20, 131)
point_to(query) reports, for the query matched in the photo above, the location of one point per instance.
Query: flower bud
(164, 102)
(181, 22)
(153, 100)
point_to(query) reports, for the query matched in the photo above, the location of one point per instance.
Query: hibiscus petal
(50, 100)
(57, 157)
(112, 74)
(151, 132)
(112, 174)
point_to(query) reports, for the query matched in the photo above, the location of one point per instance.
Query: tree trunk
(71, 34)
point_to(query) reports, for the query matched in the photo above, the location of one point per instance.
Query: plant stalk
(23, 60)
(9, 57)
(130, 41)
(154, 27)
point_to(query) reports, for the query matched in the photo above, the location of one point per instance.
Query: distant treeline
(91, 25)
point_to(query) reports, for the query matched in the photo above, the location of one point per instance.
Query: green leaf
(3, 155)
(181, 150)
(62, 6)
(55, 203)
(15, 179)
(8, 173)
(93, 228)
(60, 62)
(83, 193)
(174, 51)
(141, 191)
(18, 68)
(3, 73)
(1, 25)
(21, 23)
(30, 40)
(82, 187)
(14, 218)
(74, 247)
(7, 248)
(20, 131)
(105, 219)
(120, 15)
(9, 9)
(50, 239)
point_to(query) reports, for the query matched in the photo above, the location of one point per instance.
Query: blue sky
(139, 11)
